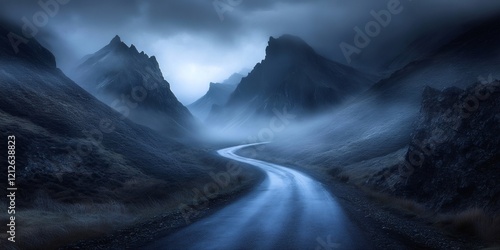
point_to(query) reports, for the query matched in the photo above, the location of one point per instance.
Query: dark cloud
(194, 46)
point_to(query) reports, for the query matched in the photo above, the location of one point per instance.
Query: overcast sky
(195, 46)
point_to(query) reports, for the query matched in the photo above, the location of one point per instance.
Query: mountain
(77, 159)
(393, 104)
(375, 128)
(293, 77)
(63, 130)
(217, 94)
(133, 84)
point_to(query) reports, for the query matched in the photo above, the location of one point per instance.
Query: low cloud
(194, 46)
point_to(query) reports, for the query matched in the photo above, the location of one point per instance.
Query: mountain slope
(464, 60)
(82, 166)
(217, 94)
(292, 77)
(132, 83)
(50, 115)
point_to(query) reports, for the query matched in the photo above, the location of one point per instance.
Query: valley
(286, 146)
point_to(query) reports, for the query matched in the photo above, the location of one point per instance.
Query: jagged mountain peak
(118, 70)
(292, 77)
(116, 40)
(288, 44)
(117, 54)
(134, 49)
(153, 59)
(116, 45)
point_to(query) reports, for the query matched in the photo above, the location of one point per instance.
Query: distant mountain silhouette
(217, 94)
(294, 77)
(132, 82)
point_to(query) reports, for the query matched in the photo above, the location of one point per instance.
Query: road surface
(288, 210)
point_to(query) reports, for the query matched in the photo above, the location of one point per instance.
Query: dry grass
(474, 222)
(51, 224)
(405, 205)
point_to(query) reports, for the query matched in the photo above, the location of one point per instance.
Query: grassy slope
(75, 182)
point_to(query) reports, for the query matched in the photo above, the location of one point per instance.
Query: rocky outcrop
(453, 161)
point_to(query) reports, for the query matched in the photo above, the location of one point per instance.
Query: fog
(195, 46)
(353, 132)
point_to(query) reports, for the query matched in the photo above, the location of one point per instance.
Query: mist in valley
(253, 125)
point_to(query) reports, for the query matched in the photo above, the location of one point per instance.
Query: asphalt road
(288, 210)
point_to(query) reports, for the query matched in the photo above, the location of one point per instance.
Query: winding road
(288, 210)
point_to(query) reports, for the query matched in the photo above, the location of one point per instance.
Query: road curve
(288, 210)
